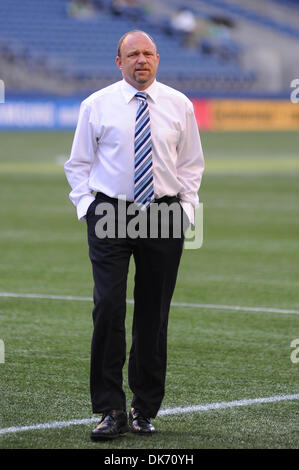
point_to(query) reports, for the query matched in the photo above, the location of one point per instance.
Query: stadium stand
(75, 43)
(278, 11)
(218, 46)
(251, 13)
(266, 32)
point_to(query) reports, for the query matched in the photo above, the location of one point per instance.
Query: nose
(141, 59)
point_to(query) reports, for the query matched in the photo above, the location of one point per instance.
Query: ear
(118, 62)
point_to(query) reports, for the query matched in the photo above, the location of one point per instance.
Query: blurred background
(234, 59)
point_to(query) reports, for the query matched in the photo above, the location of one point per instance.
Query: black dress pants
(156, 266)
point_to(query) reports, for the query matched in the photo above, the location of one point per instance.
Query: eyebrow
(137, 51)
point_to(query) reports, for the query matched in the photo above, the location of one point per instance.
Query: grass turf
(249, 258)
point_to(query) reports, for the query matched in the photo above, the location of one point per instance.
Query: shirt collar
(129, 91)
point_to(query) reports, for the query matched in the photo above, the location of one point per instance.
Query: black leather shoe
(140, 424)
(113, 424)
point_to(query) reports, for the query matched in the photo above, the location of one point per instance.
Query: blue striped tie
(143, 180)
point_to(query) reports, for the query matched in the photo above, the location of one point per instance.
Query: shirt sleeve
(78, 166)
(190, 164)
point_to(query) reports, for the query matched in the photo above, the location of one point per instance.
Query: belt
(167, 199)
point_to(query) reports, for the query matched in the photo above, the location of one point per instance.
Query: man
(136, 142)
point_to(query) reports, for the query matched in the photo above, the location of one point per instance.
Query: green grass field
(249, 258)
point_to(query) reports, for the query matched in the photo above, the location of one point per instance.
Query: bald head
(133, 32)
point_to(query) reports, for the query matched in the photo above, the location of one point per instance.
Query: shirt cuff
(83, 205)
(189, 210)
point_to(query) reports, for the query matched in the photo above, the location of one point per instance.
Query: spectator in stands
(184, 24)
(81, 9)
(136, 143)
(216, 39)
(131, 8)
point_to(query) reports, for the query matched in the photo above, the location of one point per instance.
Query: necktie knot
(141, 96)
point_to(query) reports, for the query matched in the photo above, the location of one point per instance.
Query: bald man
(136, 151)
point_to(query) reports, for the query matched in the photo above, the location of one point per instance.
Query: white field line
(173, 304)
(166, 412)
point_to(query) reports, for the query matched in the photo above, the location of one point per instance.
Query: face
(138, 60)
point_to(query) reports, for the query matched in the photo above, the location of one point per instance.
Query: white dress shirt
(102, 155)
